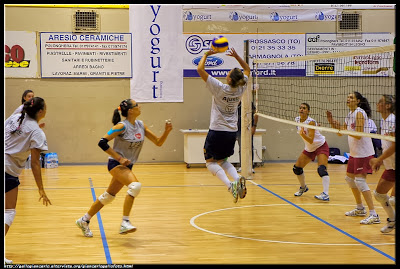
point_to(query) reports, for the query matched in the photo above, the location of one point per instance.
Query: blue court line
(327, 223)
(103, 235)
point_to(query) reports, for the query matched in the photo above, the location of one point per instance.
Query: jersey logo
(138, 135)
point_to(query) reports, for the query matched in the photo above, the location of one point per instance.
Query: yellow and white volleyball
(220, 44)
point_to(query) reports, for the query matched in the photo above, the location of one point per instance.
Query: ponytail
(364, 104)
(31, 107)
(123, 107)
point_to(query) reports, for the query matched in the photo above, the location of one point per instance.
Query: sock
(302, 180)
(360, 206)
(87, 217)
(230, 169)
(373, 212)
(222, 176)
(325, 184)
(125, 218)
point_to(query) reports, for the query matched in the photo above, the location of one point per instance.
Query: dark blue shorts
(11, 182)
(219, 145)
(112, 163)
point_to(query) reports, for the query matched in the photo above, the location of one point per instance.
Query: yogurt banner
(157, 53)
(258, 14)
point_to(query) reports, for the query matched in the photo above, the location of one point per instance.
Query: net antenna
(327, 81)
(246, 123)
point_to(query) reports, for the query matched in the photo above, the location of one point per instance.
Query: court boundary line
(325, 222)
(102, 233)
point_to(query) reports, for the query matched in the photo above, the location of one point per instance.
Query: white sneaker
(234, 190)
(323, 196)
(371, 219)
(301, 191)
(7, 261)
(126, 227)
(84, 226)
(356, 212)
(390, 225)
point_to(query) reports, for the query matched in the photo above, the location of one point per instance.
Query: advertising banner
(258, 14)
(361, 65)
(261, 46)
(72, 55)
(157, 53)
(20, 54)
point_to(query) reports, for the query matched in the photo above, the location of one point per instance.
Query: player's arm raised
(201, 67)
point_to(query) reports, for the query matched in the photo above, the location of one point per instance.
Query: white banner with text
(157, 53)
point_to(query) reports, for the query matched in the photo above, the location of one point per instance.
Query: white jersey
(388, 126)
(17, 146)
(225, 101)
(319, 139)
(363, 147)
(129, 143)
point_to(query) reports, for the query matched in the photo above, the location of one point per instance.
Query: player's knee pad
(382, 198)
(213, 167)
(106, 198)
(351, 182)
(322, 171)
(392, 201)
(9, 215)
(297, 170)
(361, 184)
(134, 188)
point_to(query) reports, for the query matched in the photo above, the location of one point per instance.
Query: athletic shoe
(356, 212)
(301, 191)
(234, 190)
(323, 196)
(84, 226)
(126, 227)
(390, 225)
(239, 169)
(7, 261)
(242, 190)
(371, 219)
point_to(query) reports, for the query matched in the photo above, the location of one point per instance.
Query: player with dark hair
(221, 137)
(361, 151)
(23, 136)
(387, 107)
(315, 146)
(129, 137)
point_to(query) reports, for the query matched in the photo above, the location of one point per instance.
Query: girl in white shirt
(361, 151)
(386, 106)
(315, 146)
(22, 136)
(221, 137)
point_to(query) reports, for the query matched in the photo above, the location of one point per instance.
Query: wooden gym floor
(186, 216)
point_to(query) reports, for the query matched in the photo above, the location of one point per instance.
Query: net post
(246, 149)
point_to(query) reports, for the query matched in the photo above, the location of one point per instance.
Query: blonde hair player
(221, 137)
(129, 137)
(387, 106)
(361, 151)
(315, 146)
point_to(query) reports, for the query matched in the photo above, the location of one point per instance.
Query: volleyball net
(324, 81)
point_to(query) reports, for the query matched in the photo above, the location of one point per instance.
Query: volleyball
(220, 44)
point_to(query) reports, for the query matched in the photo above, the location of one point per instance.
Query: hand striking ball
(220, 44)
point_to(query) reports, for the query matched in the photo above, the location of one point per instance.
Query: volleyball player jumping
(221, 137)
